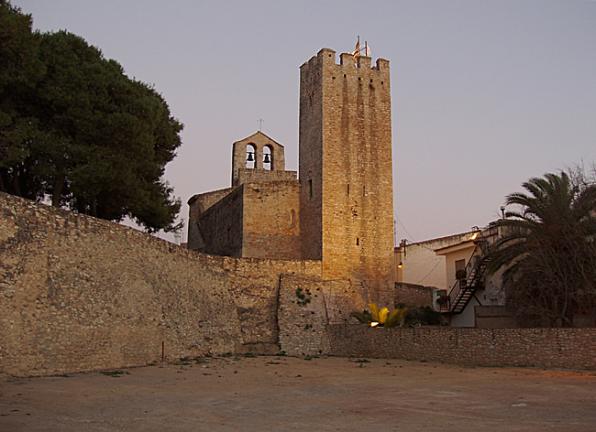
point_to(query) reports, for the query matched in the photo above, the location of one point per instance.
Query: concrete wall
(78, 293)
(422, 266)
(467, 318)
(494, 317)
(271, 220)
(345, 151)
(547, 348)
(462, 254)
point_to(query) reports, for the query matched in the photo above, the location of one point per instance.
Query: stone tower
(346, 202)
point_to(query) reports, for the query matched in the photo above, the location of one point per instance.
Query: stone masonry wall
(78, 293)
(220, 226)
(310, 162)
(255, 220)
(413, 295)
(271, 220)
(307, 305)
(255, 287)
(546, 348)
(261, 175)
(198, 204)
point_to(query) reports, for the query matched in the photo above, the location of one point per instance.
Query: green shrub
(423, 316)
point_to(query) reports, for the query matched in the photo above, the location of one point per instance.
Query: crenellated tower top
(347, 62)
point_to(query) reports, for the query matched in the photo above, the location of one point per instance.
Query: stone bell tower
(346, 202)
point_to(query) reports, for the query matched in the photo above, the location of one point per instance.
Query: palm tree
(547, 248)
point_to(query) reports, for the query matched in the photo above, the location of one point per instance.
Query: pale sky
(485, 94)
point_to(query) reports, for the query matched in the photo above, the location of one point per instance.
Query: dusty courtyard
(319, 394)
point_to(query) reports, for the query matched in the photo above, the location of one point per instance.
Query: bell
(267, 159)
(250, 157)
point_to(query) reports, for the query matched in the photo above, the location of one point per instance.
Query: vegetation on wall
(401, 316)
(381, 317)
(76, 131)
(303, 296)
(548, 250)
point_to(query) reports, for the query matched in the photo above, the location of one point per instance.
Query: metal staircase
(464, 289)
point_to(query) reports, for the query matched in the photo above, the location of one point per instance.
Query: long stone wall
(545, 348)
(78, 293)
(313, 313)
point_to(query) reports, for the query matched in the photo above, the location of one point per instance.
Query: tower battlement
(347, 62)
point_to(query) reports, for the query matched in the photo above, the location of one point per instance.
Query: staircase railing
(463, 289)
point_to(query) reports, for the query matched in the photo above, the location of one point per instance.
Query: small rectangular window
(309, 188)
(460, 265)
(460, 270)
(348, 189)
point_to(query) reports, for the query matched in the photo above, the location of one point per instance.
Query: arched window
(251, 156)
(267, 158)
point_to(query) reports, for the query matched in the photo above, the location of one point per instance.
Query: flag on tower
(356, 52)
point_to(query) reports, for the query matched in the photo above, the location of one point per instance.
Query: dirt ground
(292, 394)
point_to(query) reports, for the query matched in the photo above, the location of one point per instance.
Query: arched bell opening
(251, 156)
(267, 158)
